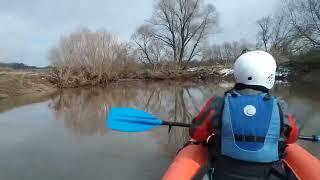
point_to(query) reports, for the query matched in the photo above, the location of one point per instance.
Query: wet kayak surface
(64, 137)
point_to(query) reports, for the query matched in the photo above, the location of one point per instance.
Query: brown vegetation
(97, 58)
(23, 83)
(89, 58)
(18, 88)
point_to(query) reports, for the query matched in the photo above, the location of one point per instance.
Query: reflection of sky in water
(21, 124)
(65, 137)
(36, 146)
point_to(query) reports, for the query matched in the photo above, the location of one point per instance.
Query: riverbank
(72, 78)
(41, 83)
(34, 84)
(303, 71)
(23, 87)
(19, 83)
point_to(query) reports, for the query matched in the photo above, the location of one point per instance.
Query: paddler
(248, 129)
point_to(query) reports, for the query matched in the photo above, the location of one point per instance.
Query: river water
(64, 137)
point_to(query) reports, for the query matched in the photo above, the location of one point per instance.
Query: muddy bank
(215, 73)
(20, 87)
(73, 79)
(194, 74)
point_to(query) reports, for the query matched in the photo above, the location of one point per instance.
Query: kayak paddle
(312, 138)
(135, 120)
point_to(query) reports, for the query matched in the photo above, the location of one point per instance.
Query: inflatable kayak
(191, 158)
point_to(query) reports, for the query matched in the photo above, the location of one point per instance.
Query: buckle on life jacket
(267, 97)
(234, 94)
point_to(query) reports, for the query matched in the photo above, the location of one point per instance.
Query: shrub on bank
(89, 58)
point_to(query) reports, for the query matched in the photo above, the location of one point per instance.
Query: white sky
(29, 28)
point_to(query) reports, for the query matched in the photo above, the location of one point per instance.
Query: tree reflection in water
(84, 110)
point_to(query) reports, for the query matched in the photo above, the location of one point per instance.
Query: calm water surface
(64, 137)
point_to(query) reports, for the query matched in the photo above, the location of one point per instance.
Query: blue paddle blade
(131, 120)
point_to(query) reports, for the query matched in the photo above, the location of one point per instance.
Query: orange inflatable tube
(187, 163)
(304, 165)
(191, 158)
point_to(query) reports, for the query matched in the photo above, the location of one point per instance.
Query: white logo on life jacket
(249, 110)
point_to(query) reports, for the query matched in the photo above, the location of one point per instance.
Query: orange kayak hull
(191, 158)
(303, 164)
(187, 163)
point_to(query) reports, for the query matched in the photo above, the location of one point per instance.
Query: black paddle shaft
(176, 124)
(309, 138)
(167, 123)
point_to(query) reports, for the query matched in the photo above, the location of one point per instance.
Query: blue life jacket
(250, 127)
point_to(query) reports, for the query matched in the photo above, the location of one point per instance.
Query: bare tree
(148, 50)
(305, 18)
(265, 32)
(281, 35)
(182, 25)
(276, 35)
(226, 52)
(284, 40)
(217, 53)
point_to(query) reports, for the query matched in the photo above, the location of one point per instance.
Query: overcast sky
(28, 28)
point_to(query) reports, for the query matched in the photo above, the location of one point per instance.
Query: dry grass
(18, 83)
(19, 88)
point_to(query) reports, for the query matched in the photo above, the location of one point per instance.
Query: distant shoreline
(37, 83)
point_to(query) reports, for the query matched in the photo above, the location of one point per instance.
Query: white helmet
(255, 68)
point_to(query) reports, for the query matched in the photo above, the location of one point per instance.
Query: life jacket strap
(247, 138)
